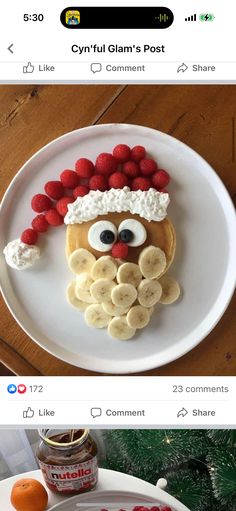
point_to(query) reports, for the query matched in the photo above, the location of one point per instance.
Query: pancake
(160, 234)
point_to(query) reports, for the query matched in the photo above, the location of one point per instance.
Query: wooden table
(201, 116)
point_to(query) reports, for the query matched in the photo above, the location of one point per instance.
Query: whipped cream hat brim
(150, 204)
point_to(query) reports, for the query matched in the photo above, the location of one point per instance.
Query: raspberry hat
(91, 190)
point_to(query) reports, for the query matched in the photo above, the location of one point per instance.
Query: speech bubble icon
(96, 67)
(96, 412)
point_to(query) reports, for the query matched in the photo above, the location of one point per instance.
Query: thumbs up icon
(28, 414)
(29, 68)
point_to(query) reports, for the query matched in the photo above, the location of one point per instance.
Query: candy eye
(132, 232)
(102, 235)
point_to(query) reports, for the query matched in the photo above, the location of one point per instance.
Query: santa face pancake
(132, 230)
(119, 241)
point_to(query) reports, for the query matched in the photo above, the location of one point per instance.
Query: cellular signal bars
(191, 18)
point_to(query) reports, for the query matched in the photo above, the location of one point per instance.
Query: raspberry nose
(120, 250)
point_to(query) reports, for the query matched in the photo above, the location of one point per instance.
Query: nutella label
(79, 477)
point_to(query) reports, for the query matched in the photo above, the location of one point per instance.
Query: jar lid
(53, 443)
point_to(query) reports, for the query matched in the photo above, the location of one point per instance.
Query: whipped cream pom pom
(21, 256)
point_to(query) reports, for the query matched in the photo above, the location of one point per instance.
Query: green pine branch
(192, 489)
(222, 469)
(200, 465)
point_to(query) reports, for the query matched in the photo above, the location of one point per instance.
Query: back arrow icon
(10, 48)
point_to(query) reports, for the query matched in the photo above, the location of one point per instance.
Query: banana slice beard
(81, 260)
(84, 280)
(124, 295)
(149, 292)
(101, 290)
(152, 262)
(114, 310)
(138, 317)
(118, 328)
(170, 290)
(151, 310)
(105, 267)
(84, 294)
(129, 273)
(72, 298)
(96, 316)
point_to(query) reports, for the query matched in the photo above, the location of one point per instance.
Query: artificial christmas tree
(199, 465)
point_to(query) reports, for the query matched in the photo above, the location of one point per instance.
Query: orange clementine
(29, 495)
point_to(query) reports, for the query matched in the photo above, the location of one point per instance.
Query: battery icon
(206, 17)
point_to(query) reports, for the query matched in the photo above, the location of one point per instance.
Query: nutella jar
(68, 460)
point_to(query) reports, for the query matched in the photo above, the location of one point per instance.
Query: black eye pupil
(107, 237)
(126, 235)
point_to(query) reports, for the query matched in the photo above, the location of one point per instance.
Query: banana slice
(170, 290)
(152, 262)
(96, 316)
(114, 310)
(84, 281)
(138, 317)
(105, 267)
(123, 295)
(84, 294)
(81, 260)
(151, 310)
(101, 290)
(149, 292)
(119, 329)
(129, 272)
(72, 298)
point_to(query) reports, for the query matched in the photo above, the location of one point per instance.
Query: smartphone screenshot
(117, 258)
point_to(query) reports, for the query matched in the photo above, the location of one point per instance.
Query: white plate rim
(161, 496)
(221, 303)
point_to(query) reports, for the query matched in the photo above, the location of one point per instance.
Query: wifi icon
(193, 17)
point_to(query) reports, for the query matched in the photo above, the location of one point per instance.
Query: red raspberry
(106, 164)
(53, 217)
(29, 236)
(155, 508)
(160, 179)
(166, 508)
(120, 250)
(80, 191)
(163, 190)
(98, 182)
(84, 181)
(121, 152)
(61, 205)
(141, 508)
(39, 223)
(69, 179)
(141, 183)
(118, 180)
(54, 189)
(138, 153)
(40, 203)
(84, 167)
(131, 169)
(147, 167)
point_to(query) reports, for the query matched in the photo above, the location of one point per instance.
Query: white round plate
(115, 500)
(204, 219)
